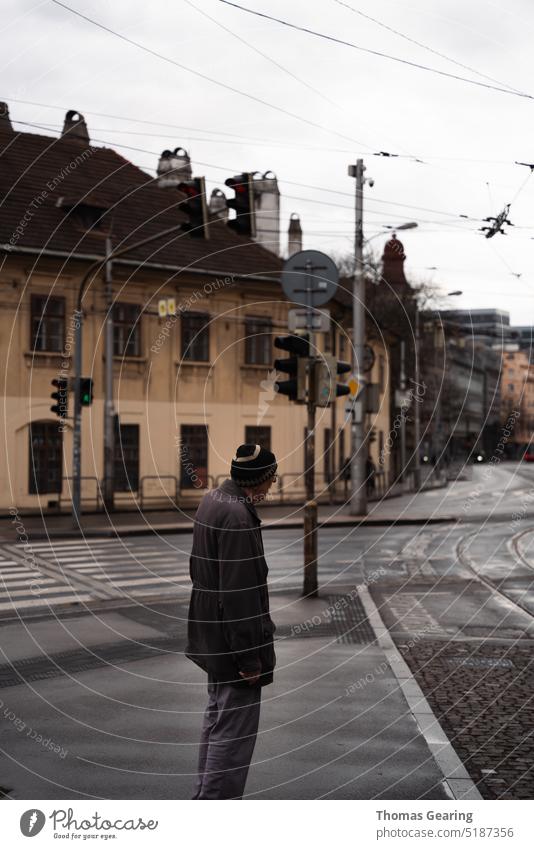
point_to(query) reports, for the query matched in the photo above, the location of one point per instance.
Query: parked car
(528, 456)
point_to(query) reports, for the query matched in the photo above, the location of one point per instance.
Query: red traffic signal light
(61, 397)
(295, 366)
(195, 207)
(244, 222)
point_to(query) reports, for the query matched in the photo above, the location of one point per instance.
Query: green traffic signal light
(86, 391)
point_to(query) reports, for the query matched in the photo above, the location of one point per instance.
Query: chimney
(267, 208)
(217, 206)
(75, 127)
(294, 235)
(393, 262)
(174, 167)
(5, 121)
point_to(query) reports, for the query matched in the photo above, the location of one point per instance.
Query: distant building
(461, 362)
(517, 395)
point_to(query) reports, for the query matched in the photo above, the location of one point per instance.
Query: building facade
(193, 326)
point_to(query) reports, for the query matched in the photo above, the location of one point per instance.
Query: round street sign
(310, 278)
(368, 358)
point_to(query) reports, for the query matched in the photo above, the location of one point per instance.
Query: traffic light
(296, 366)
(342, 388)
(60, 396)
(324, 385)
(195, 207)
(86, 391)
(245, 221)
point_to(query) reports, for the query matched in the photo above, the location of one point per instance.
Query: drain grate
(344, 618)
(83, 660)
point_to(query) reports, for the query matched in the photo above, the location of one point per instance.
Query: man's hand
(252, 676)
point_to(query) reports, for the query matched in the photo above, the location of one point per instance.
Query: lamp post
(358, 498)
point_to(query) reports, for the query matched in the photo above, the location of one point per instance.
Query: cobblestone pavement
(482, 694)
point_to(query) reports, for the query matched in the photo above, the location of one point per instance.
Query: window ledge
(118, 359)
(256, 366)
(195, 363)
(61, 354)
(47, 357)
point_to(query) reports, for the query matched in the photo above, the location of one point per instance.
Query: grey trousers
(227, 740)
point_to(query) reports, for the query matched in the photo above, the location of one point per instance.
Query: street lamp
(408, 225)
(358, 498)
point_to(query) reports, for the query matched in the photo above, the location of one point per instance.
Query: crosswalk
(61, 572)
(64, 571)
(24, 585)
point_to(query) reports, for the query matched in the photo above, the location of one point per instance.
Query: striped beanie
(252, 465)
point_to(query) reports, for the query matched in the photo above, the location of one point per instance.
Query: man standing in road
(230, 631)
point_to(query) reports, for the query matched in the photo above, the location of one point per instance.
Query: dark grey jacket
(229, 626)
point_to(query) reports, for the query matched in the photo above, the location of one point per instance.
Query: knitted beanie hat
(252, 465)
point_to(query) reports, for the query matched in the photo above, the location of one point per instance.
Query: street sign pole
(310, 584)
(358, 498)
(310, 279)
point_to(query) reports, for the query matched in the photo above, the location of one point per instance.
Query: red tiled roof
(42, 176)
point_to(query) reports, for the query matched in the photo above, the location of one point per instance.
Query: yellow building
(188, 385)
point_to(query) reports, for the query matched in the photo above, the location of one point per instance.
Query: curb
(281, 524)
(182, 528)
(455, 776)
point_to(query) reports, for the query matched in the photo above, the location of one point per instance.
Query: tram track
(468, 562)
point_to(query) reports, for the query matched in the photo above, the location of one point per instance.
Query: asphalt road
(466, 588)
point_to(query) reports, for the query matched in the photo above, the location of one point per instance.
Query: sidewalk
(131, 523)
(345, 719)
(452, 504)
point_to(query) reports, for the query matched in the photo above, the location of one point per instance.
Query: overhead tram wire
(371, 52)
(226, 86)
(247, 139)
(283, 68)
(244, 142)
(263, 55)
(288, 182)
(203, 76)
(424, 46)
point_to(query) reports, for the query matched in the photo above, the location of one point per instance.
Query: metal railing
(67, 497)
(162, 495)
(290, 488)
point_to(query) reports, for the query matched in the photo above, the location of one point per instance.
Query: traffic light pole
(78, 341)
(109, 453)
(358, 498)
(310, 586)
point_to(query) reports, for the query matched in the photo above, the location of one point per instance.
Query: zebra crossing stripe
(36, 602)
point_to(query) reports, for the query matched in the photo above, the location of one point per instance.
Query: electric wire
(264, 55)
(206, 77)
(291, 183)
(378, 53)
(248, 139)
(424, 46)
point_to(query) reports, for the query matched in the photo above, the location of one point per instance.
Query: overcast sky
(467, 136)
